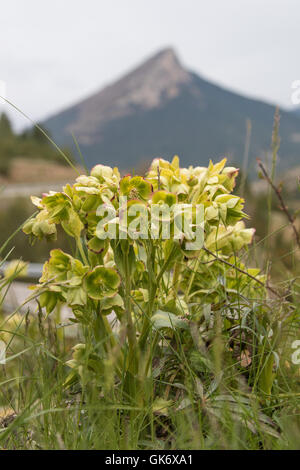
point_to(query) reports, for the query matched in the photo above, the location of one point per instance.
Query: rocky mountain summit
(162, 109)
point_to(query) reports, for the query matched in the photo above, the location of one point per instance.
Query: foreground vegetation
(167, 347)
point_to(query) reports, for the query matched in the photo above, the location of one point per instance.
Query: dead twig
(283, 206)
(158, 177)
(243, 272)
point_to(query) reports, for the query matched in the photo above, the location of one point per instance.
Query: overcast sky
(56, 52)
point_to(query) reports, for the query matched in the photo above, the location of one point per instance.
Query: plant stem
(153, 285)
(192, 279)
(131, 388)
(81, 251)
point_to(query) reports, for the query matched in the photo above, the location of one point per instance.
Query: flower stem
(81, 251)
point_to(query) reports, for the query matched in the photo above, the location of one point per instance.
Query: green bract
(40, 227)
(57, 206)
(106, 175)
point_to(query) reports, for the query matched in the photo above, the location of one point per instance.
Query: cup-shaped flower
(229, 239)
(234, 206)
(62, 267)
(57, 267)
(49, 299)
(102, 282)
(164, 197)
(106, 174)
(167, 176)
(135, 187)
(92, 192)
(40, 227)
(58, 206)
(231, 173)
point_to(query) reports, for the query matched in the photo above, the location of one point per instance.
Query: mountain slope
(161, 109)
(296, 111)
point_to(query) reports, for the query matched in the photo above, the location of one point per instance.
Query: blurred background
(124, 82)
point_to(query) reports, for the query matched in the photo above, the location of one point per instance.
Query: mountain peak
(160, 109)
(167, 55)
(166, 51)
(154, 82)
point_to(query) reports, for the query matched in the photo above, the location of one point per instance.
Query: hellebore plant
(154, 287)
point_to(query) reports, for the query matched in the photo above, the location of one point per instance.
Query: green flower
(164, 197)
(135, 188)
(57, 267)
(92, 192)
(234, 206)
(106, 174)
(63, 268)
(229, 239)
(167, 176)
(49, 300)
(58, 206)
(87, 184)
(230, 173)
(40, 227)
(63, 278)
(102, 282)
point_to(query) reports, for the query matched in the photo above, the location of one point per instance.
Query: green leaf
(96, 245)
(267, 375)
(161, 405)
(76, 296)
(73, 226)
(163, 319)
(109, 303)
(124, 251)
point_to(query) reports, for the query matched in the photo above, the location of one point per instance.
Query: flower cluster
(93, 274)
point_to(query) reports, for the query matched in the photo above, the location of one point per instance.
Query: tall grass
(213, 408)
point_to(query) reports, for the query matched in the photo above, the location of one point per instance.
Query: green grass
(208, 399)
